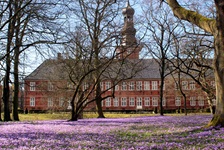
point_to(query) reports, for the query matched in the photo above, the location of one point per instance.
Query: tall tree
(98, 18)
(161, 28)
(216, 28)
(23, 34)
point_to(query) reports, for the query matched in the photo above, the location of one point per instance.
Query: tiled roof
(56, 70)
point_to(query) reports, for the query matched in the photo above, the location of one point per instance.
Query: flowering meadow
(143, 133)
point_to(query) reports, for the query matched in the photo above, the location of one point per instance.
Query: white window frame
(192, 101)
(131, 101)
(154, 85)
(61, 101)
(131, 86)
(139, 101)
(50, 86)
(116, 87)
(146, 85)
(50, 102)
(108, 102)
(164, 101)
(108, 85)
(154, 101)
(138, 85)
(85, 86)
(147, 101)
(32, 101)
(124, 86)
(164, 84)
(32, 86)
(116, 102)
(101, 86)
(201, 101)
(178, 101)
(123, 101)
(184, 85)
(192, 85)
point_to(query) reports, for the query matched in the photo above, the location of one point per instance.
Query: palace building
(43, 87)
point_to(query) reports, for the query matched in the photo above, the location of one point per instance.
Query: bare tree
(161, 27)
(21, 35)
(215, 27)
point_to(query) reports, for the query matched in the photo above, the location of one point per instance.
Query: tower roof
(128, 9)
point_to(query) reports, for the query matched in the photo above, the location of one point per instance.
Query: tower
(129, 47)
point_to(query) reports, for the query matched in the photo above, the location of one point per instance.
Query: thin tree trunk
(16, 87)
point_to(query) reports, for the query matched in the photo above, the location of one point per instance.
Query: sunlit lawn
(66, 116)
(135, 132)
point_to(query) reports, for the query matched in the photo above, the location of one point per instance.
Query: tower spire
(127, 3)
(128, 30)
(129, 47)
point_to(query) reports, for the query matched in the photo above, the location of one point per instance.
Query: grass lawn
(120, 131)
(66, 116)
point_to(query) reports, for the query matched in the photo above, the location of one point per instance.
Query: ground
(150, 132)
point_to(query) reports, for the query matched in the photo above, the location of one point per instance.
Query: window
(131, 86)
(200, 101)
(85, 86)
(146, 85)
(154, 101)
(108, 102)
(50, 86)
(154, 85)
(124, 86)
(178, 101)
(147, 101)
(32, 101)
(32, 86)
(139, 85)
(164, 101)
(192, 101)
(184, 85)
(117, 88)
(139, 101)
(163, 85)
(192, 85)
(123, 101)
(108, 85)
(61, 101)
(116, 102)
(50, 102)
(131, 101)
(101, 86)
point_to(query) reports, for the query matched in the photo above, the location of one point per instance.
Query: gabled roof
(54, 69)
(49, 69)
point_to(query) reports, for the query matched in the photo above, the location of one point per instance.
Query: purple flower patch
(142, 133)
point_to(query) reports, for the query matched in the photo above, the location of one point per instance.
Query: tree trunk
(74, 115)
(215, 27)
(211, 105)
(16, 63)
(99, 108)
(218, 118)
(161, 96)
(6, 94)
(16, 88)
